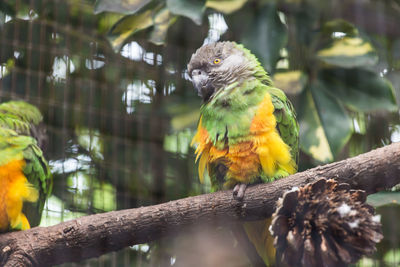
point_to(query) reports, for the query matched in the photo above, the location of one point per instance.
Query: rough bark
(94, 235)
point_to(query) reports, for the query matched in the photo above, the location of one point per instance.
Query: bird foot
(238, 191)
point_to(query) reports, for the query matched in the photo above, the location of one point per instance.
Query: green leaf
(391, 257)
(192, 9)
(225, 6)
(339, 25)
(183, 121)
(349, 52)
(107, 21)
(313, 140)
(360, 90)
(8, 7)
(104, 197)
(384, 198)
(345, 47)
(291, 82)
(120, 6)
(179, 142)
(127, 26)
(336, 123)
(162, 21)
(265, 36)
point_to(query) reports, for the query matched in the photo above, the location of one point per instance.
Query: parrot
(247, 132)
(25, 178)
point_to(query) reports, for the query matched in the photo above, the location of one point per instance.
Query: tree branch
(94, 235)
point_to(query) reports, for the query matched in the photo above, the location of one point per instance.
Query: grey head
(215, 66)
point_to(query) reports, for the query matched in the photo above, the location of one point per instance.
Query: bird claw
(238, 191)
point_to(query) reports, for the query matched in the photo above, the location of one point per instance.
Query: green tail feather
(262, 240)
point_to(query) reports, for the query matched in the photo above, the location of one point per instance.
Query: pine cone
(324, 224)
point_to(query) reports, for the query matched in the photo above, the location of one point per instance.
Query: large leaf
(394, 78)
(107, 21)
(127, 26)
(349, 52)
(313, 140)
(7, 8)
(226, 6)
(162, 21)
(291, 82)
(265, 36)
(120, 6)
(325, 127)
(339, 26)
(344, 46)
(192, 9)
(360, 90)
(337, 124)
(383, 198)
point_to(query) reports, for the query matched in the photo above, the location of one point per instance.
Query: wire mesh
(119, 123)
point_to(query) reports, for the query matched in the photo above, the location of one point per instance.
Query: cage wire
(119, 123)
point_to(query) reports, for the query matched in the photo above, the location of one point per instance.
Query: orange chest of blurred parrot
(25, 179)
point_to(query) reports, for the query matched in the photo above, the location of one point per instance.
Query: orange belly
(242, 161)
(14, 190)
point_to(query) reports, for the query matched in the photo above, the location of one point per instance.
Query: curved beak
(200, 80)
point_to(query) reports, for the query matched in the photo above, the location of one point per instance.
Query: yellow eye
(217, 61)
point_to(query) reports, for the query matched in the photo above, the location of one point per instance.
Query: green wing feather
(17, 121)
(38, 173)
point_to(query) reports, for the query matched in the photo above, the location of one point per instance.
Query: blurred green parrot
(247, 132)
(25, 179)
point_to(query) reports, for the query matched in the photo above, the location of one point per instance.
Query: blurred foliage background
(110, 78)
